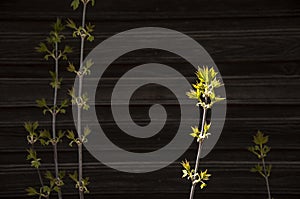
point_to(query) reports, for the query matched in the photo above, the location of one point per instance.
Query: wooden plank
(237, 48)
(159, 181)
(229, 69)
(206, 8)
(261, 90)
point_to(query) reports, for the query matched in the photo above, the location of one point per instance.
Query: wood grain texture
(255, 44)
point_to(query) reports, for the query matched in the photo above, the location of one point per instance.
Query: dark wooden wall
(255, 44)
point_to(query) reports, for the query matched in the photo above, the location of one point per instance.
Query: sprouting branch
(80, 99)
(51, 49)
(260, 150)
(204, 93)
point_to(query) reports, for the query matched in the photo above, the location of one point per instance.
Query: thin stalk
(198, 154)
(55, 155)
(79, 107)
(266, 178)
(38, 171)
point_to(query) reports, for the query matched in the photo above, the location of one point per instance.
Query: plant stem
(38, 171)
(79, 107)
(266, 178)
(199, 153)
(55, 155)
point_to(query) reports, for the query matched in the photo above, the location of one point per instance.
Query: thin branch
(198, 154)
(79, 107)
(38, 171)
(266, 178)
(55, 154)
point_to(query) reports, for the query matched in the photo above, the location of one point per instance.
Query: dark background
(255, 44)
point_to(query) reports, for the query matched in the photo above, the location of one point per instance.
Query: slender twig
(198, 154)
(261, 150)
(55, 154)
(38, 171)
(266, 178)
(79, 107)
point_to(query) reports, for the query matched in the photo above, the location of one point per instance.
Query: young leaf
(71, 24)
(86, 131)
(41, 103)
(31, 191)
(260, 139)
(71, 68)
(42, 48)
(74, 176)
(75, 4)
(58, 26)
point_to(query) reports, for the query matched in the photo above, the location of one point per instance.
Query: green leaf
(70, 135)
(58, 26)
(31, 126)
(67, 49)
(256, 168)
(268, 170)
(74, 176)
(203, 185)
(71, 24)
(206, 127)
(86, 131)
(90, 38)
(75, 4)
(185, 173)
(64, 103)
(260, 139)
(56, 82)
(89, 63)
(60, 134)
(31, 191)
(266, 149)
(61, 174)
(45, 134)
(186, 165)
(90, 27)
(56, 189)
(71, 68)
(41, 103)
(46, 189)
(36, 163)
(192, 94)
(93, 2)
(49, 176)
(42, 48)
(204, 175)
(31, 154)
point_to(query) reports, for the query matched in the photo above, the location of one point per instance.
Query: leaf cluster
(75, 3)
(201, 135)
(83, 32)
(260, 150)
(45, 191)
(42, 103)
(85, 69)
(78, 140)
(81, 184)
(204, 88)
(195, 177)
(80, 101)
(49, 46)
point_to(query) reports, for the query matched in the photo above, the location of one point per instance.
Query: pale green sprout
(260, 150)
(204, 93)
(196, 178)
(201, 135)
